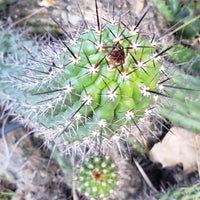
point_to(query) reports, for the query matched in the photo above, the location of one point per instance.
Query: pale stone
(181, 146)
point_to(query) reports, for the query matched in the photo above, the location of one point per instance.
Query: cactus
(189, 57)
(89, 90)
(174, 13)
(182, 109)
(98, 177)
(12, 57)
(186, 193)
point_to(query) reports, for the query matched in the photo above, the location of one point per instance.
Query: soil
(29, 171)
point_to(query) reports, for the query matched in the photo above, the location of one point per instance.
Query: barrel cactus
(98, 177)
(89, 90)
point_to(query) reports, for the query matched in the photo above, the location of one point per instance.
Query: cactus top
(102, 80)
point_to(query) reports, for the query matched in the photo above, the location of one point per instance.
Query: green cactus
(105, 79)
(186, 193)
(174, 12)
(189, 57)
(13, 57)
(91, 89)
(182, 109)
(98, 177)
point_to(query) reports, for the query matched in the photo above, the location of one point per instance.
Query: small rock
(178, 146)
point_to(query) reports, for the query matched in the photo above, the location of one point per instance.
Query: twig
(24, 18)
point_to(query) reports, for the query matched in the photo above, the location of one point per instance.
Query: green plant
(174, 13)
(89, 91)
(98, 177)
(182, 109)
(188, 58)
(186, 193)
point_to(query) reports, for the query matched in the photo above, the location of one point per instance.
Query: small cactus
(98, 177)
(90, 89)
